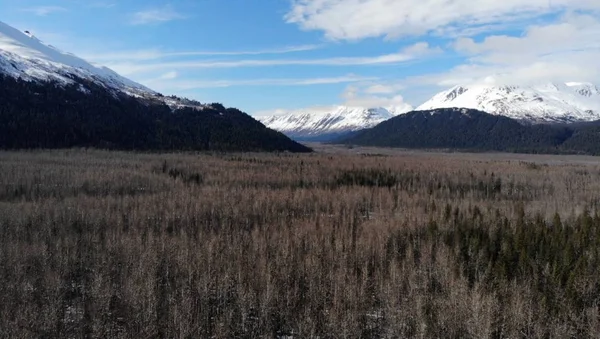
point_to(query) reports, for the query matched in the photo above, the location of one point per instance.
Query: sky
(271, 56)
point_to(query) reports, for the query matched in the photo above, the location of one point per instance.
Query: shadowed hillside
(48, 115)
(474, 130)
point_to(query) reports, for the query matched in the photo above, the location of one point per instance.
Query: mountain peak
(321, 123)
(22, 55)
(550, 102)
(456, 91)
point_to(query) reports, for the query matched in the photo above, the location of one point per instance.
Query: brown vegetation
(122, 245)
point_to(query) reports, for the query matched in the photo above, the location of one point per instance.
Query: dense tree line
(478, 131)
(84, 114)
(586, 138)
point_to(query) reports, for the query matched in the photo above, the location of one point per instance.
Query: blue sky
(264, 56)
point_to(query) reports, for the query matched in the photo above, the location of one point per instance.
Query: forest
(85, 114)
(477, 131)
(106, 244)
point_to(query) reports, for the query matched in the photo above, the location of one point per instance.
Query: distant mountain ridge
(548, 103)
(329, 123)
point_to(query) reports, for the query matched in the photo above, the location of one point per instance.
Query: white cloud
(380, 89)
(534, 73)
(409, 53)
(182, 85)
(421, 49)
(44, 10)
(571, 34)
(562, 51)
(168, 76)
(359, 19)
(156, 15)
(355, 95)
(374, 95)
(156, 54)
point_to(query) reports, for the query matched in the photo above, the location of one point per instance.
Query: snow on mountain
(24, 56)
(329, 121)
(568, 102)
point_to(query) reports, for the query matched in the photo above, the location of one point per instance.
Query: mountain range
(54, 99)
(328, 123)
(548, 103)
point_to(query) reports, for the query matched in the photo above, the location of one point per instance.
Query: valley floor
(342, 243)
(328, 148)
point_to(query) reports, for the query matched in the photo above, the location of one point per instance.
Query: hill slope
(570, 102)
(468, 129)
(54, 99)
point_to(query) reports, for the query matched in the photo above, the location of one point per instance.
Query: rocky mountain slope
(568, 102)
(329, 123)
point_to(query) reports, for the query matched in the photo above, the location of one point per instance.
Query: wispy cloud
(44, 10)
(133, 68)
(155, 54)
(409, 53)
(180, 85)
(156, 15)
(168, 76)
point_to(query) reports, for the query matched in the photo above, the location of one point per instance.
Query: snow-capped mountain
(329, 122)
(24, 56)
(568, 102)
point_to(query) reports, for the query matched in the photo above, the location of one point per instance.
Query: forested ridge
(84, 114)
(473, 130)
